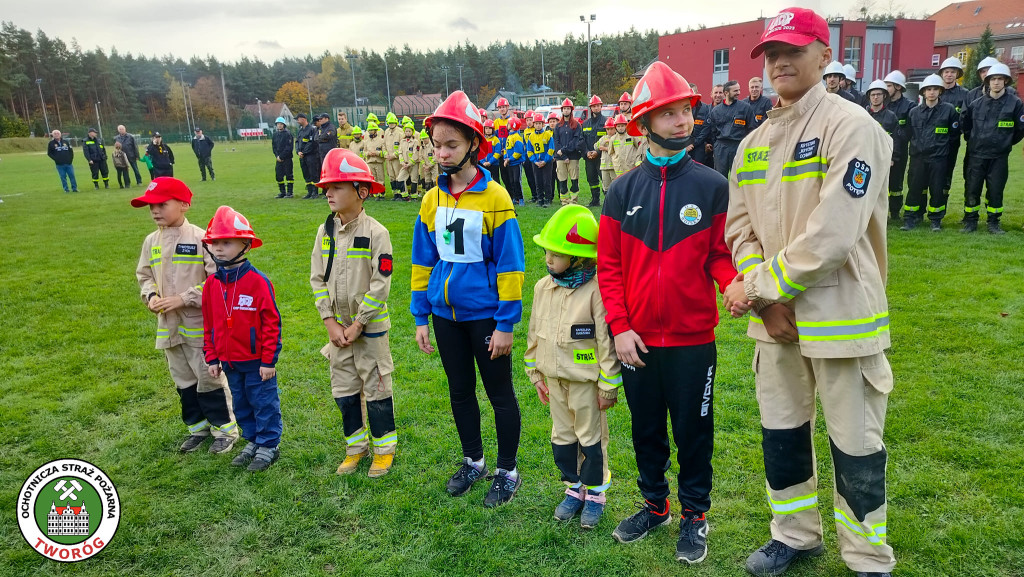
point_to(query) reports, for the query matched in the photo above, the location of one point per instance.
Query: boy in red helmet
(626, 105)
(623, 148)
(350, 273)
(661, 250)
(242, 336)
(171, 273)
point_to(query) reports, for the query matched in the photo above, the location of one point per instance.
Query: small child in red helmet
(242, 335)
(350, 273)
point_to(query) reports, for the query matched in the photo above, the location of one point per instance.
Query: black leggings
(454, 341)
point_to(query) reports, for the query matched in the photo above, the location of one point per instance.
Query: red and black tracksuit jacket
(252, 337)
(661, 247)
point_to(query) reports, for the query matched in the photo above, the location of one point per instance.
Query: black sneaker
(692, 546)
(463, 479)
(503, 488)
(636, 526)
(192, 443)
(222, 445)
(245, 457)
(774, 557)
(265, 457)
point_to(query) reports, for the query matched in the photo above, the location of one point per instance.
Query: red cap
(162, 189)
(796, 26)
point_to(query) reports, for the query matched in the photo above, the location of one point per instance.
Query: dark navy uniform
(96, 154)
(730, 124)
(991, 126)
(931, 129)
(900, 144)
(309, 162)
(957, 97)
(593, 130)
(702, 133)
(282, 143)
(759, 108)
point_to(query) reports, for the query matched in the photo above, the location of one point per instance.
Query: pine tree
(975, 54)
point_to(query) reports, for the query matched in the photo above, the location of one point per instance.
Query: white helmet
(987, 62)
(850, 72)
(896, 77)
(999, 69)
(932, 80)
(877, 85)
(834, 68)
(953, 62)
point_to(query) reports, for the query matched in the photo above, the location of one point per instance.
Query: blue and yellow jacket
(497, 150)
(540, 147)
(515, 149)
(467, 255)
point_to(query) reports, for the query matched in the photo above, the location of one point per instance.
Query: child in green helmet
(570, 358)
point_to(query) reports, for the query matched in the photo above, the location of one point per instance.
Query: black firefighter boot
(280, 188)
(291, 190)
(412, 192)
(595, 196)
(310, 192)
(993, 224)
(895, 204)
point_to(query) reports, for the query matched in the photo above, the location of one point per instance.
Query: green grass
(24, 144)
(79, 378)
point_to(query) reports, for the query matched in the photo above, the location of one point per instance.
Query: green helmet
(423, 134)
(372, 125)
(572, 230)
(406, 120)
(391, 118)
(371, 117)
(356, 131)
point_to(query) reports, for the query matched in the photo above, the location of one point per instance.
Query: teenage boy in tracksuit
(96, 154)
(991, 124)
(932, 126)
(661, 250)
(540, 151)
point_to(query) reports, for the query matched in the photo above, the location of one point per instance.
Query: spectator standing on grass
(161, 156)
(120, 159)
(62, 154)
(203, 148)
(130, 148)
(94, 151)
(281, 145)
(807, 229)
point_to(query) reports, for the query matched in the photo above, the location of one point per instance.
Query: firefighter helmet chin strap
(450, 170)
(238, 258)
(675, 144)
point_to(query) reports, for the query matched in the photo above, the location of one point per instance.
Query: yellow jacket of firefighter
(360, 280)
(410, 150)
(806, 223)
(344, 135)
(173, 262)
(358, 147)
(624, 152)
(569, 339)
(393, 141)
(373, 148)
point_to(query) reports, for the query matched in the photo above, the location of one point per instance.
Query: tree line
(151, 93)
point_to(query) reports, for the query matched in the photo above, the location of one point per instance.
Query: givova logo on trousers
(68, 510)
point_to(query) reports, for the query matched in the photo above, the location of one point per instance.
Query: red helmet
(538, 117)
(567, 102)
(594, 100)
(626, 98)
(229, 223)
(515, 124)
(610, 123)
(458, 108)
(489, 123)
(529, 114)
(343, 165)
(502, 102)
(660, 86)
(483, 113)
(620, 119)
(553, 116)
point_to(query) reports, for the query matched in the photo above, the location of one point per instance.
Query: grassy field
(79, 378)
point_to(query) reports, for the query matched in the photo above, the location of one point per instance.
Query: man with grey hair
(131, 150)
(62, 154)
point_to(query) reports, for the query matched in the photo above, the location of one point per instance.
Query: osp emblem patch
(858, 174)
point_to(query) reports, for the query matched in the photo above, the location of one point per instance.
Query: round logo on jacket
(690, 214)
(68, 510)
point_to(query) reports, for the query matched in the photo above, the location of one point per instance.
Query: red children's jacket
(242, 326)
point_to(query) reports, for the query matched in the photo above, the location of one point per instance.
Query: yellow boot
(350, 463)
(381, 465)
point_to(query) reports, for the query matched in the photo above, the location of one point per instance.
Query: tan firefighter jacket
(393, 142)
(624, 152)
(569, 339)
(173, 262)
(806, 223)
(373, 148)
(360, 278)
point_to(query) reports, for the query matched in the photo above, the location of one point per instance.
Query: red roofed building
(960, 25)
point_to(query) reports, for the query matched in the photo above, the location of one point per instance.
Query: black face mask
(675, 144)
(240, 257)
(450, 170)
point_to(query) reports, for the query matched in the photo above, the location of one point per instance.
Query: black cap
(91, 129)
(323, 115)
(301, 115)
(197, 129)
(155, 134)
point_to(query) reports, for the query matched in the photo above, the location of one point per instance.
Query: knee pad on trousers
(351, 413)
(592, 470)
(563, 187)
(215, 406)
(860, 480)
(381, 414)
(575, 186)
(191, 412)
(567, 460)
(788, 456)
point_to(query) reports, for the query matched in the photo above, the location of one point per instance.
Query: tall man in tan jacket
(806, 226)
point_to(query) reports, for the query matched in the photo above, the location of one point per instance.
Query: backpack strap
(329, 230)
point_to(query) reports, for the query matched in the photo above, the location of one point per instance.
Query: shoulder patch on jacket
(806, 149)
(385, 264)
(858, 174)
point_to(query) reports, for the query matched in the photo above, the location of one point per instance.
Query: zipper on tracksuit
(446, 301)
(661, 247)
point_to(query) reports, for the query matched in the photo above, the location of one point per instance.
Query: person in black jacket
(309, 158)
(932, 126)
(161, 156)
(759, 103)
(326, 140)
(878, 97)
(992, 124)
(896, 84)
(731, 121)
(700, 149)
(61, 153)
(593, 130)
(131, 150)
(96, 154)
(954, 94)
(203, 147)
(568, 144)
(281, 143)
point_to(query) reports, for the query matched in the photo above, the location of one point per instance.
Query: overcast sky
(270, 30)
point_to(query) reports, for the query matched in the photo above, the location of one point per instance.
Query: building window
(1017, 53)
(851, 51)
(935, 59)
(722, 60)
(999, 53)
